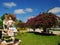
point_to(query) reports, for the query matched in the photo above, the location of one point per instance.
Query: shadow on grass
(43, 34)
(58, 43)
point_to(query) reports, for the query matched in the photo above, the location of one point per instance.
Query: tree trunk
(44, 30)
(34, 29)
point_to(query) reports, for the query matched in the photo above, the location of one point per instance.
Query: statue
(8, 24)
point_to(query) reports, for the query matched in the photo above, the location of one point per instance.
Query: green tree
(3, 16)
(1, 24)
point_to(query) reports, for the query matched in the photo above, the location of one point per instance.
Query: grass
(37, 39)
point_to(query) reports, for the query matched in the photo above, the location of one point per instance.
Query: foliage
(45, 20)
(1, 24)
(17, 21)
(3, 16)
(21, 29)
(21, 25)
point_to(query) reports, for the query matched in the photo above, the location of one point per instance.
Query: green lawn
(33, 39)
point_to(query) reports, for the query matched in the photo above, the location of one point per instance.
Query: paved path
(39, 30)
(56, 32)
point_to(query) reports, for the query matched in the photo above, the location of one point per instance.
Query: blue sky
(25, 9)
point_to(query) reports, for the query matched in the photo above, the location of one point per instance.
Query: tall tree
(44, 20)
(3, 16)
(21, 25)
(1, 24)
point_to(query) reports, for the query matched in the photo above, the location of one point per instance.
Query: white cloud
(58, 15)
(29, 10)
(19, 11)
(23, 11)
(31, 17)
(54, 10)
(9, 4)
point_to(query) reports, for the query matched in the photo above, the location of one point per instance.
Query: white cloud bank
(54, 10)
(9, 4)
(23, 11)
(19, 11)
(31, 17)
(28, 10)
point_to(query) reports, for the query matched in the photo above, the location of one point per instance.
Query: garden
(44, 21)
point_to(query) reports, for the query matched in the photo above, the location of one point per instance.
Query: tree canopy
(3, 16)
(45, 20)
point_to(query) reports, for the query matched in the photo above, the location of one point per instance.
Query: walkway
(39, 30)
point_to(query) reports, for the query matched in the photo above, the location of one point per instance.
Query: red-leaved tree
(44, 20)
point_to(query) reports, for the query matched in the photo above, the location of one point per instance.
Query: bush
(21, 29)
(1, 24)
